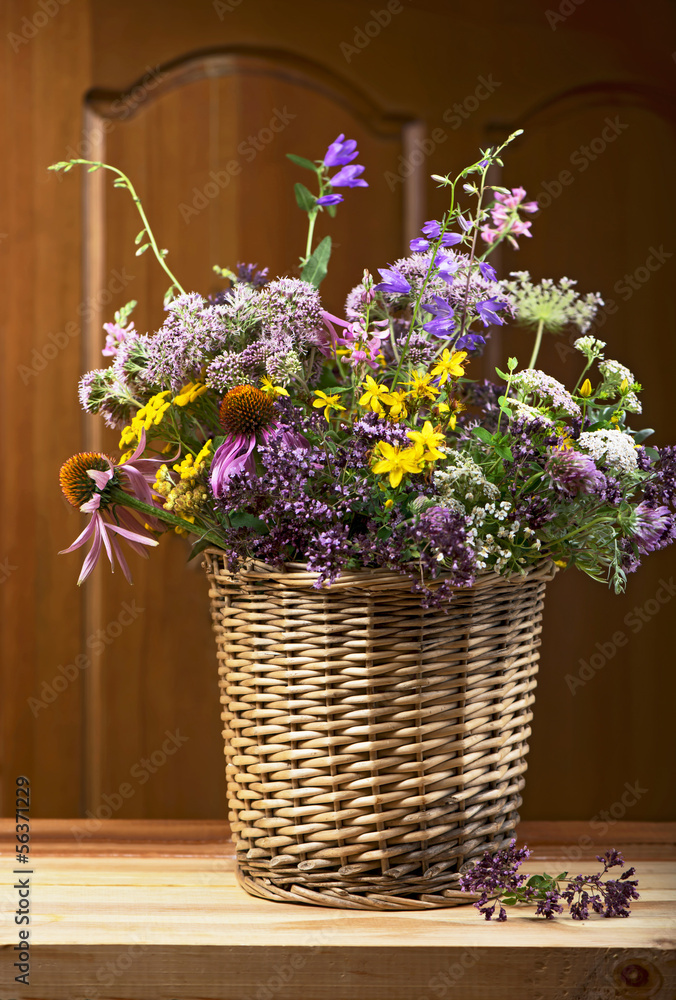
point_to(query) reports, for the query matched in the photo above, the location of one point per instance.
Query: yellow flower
(397, 406)
(206, 454)
(458, 407)
(328, 402)
(397, 462)
(189, 393)
(143, 419)
(375, 395)
(428, 442)
(191, 467)
(272, 390)
(389, 503)
(566, 441)
(449, 365)
(586, 388)
(421, 388)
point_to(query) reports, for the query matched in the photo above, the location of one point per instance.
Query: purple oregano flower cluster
(496, 878)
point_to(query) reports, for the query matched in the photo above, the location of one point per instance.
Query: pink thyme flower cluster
(505, 218)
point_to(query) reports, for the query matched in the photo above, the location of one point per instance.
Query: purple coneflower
(247, 415)
(89, 482)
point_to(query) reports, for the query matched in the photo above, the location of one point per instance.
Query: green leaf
(504, 405)
(508, 900)
(198, 547)
(304, 198)
(654, 454)
(300, 161)
(249, 521)
(536, 880)
(483, 434)
(384, 532)
(315, 270)
(504, 451)
(503, 375)
(512, 364)
(640, 436)
(562, 875)
(332, 209)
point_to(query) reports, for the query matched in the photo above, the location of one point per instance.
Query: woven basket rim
(295, 575)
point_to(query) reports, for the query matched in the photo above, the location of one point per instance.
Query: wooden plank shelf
(150, 910)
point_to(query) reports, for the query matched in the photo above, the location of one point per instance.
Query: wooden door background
(95, 681)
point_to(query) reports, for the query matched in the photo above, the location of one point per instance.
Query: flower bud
(586, 388)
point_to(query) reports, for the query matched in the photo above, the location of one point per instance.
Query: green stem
(126, 500)
(96, 164)
(536, 346)
(312, 218)
(584, 372)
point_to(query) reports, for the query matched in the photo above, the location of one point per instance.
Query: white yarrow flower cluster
(532, 381)
(614, 374)
(590, 346)
(613, 448)
(462, 479)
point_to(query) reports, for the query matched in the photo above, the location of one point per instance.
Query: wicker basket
(373, 747)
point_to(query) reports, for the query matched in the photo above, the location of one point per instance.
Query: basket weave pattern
(373, 747)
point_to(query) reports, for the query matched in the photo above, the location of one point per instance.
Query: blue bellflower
(341, 151)
(348, 177)
(392, 282)
(443, 321)
(488, 312)
(330, 199)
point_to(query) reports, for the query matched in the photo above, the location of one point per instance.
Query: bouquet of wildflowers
(256, 421)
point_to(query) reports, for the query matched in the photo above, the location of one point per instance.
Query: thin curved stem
(123, 181)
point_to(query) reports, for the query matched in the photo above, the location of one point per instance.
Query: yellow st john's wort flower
(449, 366)
(272, 390)
(328, 402)
(397, 405)
(586, 388)
(421, 387)
(189, 393)
(457, 407)
(396, 461)
(428, 442)
(375, 395)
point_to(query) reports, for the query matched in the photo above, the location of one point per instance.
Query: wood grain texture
(144, 928)
(40, 426)
(560, 85)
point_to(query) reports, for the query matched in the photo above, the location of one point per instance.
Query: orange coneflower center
(76, 485)
(246, 410)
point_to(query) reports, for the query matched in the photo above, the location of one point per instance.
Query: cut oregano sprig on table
(500, 885)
